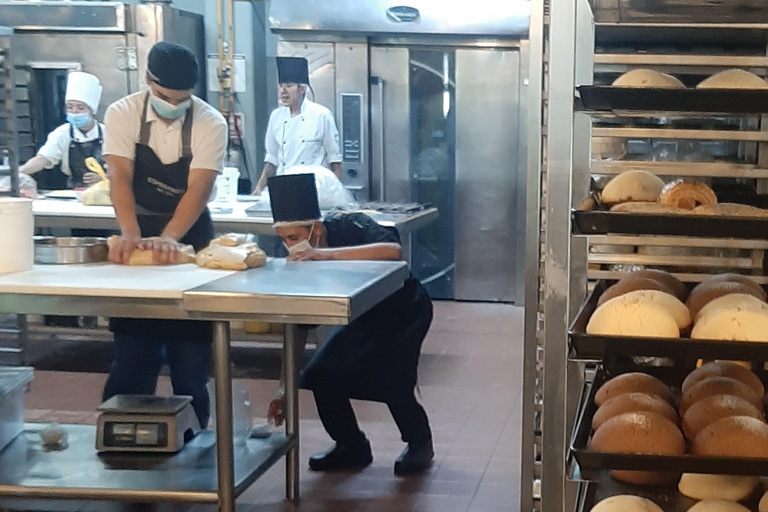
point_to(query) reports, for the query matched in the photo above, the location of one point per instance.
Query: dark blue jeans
(136, 363)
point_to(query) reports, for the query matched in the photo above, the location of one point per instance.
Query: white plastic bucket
(17, 226)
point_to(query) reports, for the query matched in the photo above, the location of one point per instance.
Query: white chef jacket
(56, 147)
(309, 138)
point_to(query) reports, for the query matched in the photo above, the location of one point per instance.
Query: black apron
(78, 153)
(376, 356)
(158, 188)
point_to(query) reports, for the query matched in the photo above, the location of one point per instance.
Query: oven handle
(378, 127)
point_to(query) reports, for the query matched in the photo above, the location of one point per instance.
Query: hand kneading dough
(145, 257)
(728, 369)
(633, 382)
(733, 79)
(717, 487)
(732, 325)
(632, 186)
(97, 195)
(737, 436)
(626, 503)
(718, 506)
(232, 258)
(732, 302)
(634, 317)
(648, 78)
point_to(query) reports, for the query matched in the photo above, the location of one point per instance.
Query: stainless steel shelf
(79, 473)
(673, 133)
(686, 169)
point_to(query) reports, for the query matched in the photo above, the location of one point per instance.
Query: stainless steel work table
(296, 294)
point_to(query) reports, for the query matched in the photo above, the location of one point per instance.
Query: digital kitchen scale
(146, 423)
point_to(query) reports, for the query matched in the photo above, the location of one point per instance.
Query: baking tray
(665, 496)
(591, 462)
(604, 98)
(592, 347)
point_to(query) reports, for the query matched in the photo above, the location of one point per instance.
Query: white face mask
(302, 246)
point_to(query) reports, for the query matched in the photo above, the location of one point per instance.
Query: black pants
(339, 419)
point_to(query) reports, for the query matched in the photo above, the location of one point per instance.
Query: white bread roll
(717, 487)
(718, 506)
(648, 78)
(733, 302)
(636, 316)
(733, 79)
(632, 186)
(626, 503)
(732, 325)
(677, 309)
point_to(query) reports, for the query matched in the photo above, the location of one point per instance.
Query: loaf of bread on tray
(702, 486)
(686, 195)
(626, 503)
(714, 407)
(733, 79)
(632, 382)
(648, 78)
(633, 402)
(632, 186)
(728, 369)
(730, 210)
(735, 436)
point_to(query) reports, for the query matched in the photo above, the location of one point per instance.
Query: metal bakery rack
(718, 137)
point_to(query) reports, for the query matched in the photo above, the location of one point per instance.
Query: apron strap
(145, 126)
(186, 129)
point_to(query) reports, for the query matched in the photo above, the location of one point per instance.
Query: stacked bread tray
(592, 463)
(606, 98)
(585, 346)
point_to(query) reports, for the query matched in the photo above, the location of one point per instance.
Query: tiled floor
(470, 383)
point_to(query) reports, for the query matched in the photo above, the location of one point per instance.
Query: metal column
(294, 341)
(225, 458)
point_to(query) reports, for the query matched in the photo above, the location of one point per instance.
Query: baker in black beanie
(164, 148)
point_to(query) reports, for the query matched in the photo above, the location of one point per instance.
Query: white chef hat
(84, 87)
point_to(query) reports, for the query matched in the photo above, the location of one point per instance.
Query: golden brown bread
(730, 277)
(626, 503)
(647, 207)
(718, 506)
(733, 79)
(686, 194)
(640, 432)
(648, 78)
(632, 186)
(735, 436)
(718, 386)
(712, 408)
(633, 382)
(728, 369)
(711, 289)
(730, 210)
(732, 302)
(632, 283)
(633, 402)
(665, 278)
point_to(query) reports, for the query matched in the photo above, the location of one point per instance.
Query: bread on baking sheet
(687, 194)
(714, 288)
(626, 503)
(632, 186)
(700, 486)
(665, 278)
(633, 402)
(718, 386)
(733, 79)
(712, 408)
(729, 369)
(763, 505)
(735, 436)
(648, 78)
(647, 207)
(669, 302)
(732, 277)
(733, 302)
(633, 382)
(632, 283)
(718, 506)
(730, 210)
(732, 325)
(634, 316)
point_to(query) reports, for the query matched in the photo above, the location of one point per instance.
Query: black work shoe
(342, 458)
(416, 458)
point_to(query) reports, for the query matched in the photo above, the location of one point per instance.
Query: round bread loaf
(732, 325)
(733, 302)
(730, 369)
(717, 487)
(712, 408)
(718, 506)
(710, 290)
(632, 283)
(634, 382)
(735, 436)
(668, 302)
(733, 79)
(718, 386)
(648, 78)
(763, 505)
(637, 317)
(640, 432)
(665, 278)
(626, 503)
(633, 402)
(731, 277)
(632, 186)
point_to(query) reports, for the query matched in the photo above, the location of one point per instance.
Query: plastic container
(13, 387)
(17, 226)
(226, 186)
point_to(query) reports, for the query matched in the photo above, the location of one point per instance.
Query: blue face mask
(168, 110)
(79, 120)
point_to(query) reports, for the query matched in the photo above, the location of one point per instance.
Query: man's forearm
(124, 203)
(35, 165)
(336, 167)
(190, 207)
(374, 252)
(267, 172)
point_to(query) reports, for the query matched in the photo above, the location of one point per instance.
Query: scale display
(120, 434)
(351, 127)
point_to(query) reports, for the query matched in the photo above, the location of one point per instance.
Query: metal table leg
(294, 340)
(225, 459)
